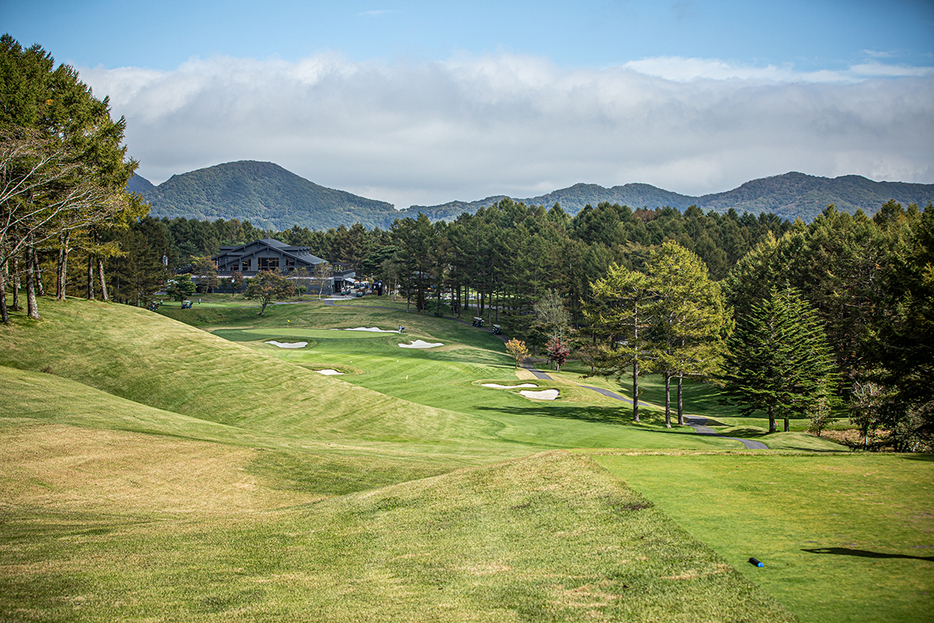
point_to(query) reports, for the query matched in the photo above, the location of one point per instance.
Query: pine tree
(778, 360)
(617, 315)
(688, 317)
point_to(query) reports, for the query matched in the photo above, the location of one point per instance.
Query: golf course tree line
(497, 262)
(63, 176)
(644, 289)
(870, 283)
(840, 310)
(670, 318)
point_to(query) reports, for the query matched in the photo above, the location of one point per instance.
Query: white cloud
(476, 126)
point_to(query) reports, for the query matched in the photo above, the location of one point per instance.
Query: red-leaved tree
(558, 352)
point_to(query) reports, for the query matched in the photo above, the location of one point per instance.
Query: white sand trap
(372, 329)
(421, 344)
(498, 386)
(545, 394)
(329, 372)
(289, 344)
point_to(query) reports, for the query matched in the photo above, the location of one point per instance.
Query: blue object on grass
(756, 562)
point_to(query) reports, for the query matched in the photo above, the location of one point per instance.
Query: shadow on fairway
(846, 551)
(602, 415)
(918, 457)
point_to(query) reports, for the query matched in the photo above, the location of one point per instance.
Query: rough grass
(547, 538)
(163, 473)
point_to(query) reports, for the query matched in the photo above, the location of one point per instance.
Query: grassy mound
(153, 470)
(550, 537)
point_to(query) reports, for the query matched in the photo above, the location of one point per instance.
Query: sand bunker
(288, 344)
(372, 329)
(328, 372)
(545, 394)
(498, 386)
(421, 344)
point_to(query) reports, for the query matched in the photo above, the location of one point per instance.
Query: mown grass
(843, 538)
(163, 473)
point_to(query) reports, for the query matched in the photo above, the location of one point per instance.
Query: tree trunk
(635, 390)
(786, 426)
(4, 314)
(667, 399)
(680, 399)
(16, 284)
(32, 306)
(635, 362)
(100, 273)
(62, 270)
(772, 428)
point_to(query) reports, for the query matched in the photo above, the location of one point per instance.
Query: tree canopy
(64, 171)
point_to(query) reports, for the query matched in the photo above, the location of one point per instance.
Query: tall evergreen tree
(688, 318)
(778, 359)
(617, 316)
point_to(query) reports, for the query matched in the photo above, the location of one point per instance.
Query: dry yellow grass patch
(72, 468)
(694, 573)
(588, 596)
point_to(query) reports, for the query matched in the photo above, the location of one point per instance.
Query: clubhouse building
(271, 254)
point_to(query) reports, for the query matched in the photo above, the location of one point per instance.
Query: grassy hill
(160, 470)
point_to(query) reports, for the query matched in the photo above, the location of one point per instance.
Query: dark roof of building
(300, 253)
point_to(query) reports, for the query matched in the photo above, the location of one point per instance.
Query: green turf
(154, 470)
(843, 538)
(547, 538)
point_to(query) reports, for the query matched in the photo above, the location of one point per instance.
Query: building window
(268, 263)
(245, 265)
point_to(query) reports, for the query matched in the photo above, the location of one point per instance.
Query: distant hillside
(270, 197)
(138, 184)
(796, 195)
(266, 195)
(792, 195)
(572, 200)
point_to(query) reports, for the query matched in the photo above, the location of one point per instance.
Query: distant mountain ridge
(264, 194)
(790, 196)
(271, 197)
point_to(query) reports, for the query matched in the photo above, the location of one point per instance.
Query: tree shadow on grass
(918, 457)
(600, 415)
(862, 553)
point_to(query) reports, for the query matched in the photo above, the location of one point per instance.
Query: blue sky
(425, 102)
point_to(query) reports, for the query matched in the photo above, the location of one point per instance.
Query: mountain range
(270, 197)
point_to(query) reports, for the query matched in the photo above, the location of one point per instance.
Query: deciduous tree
(688, 319)
(181, 287)
(517, 349)
(266, 286)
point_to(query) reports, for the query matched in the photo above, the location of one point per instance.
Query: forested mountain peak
(265, 194)
(269, 196)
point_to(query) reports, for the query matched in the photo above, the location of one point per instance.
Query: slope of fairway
(452, 377)
(547, 538)
(312, 467)
(847, 537)
(154, 361)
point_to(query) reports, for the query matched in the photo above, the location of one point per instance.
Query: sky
(420, 103)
